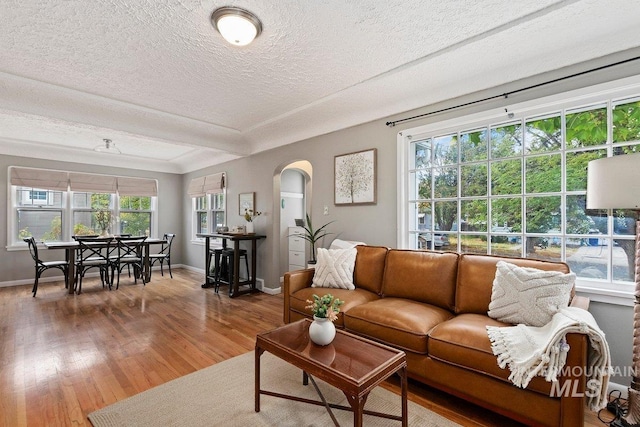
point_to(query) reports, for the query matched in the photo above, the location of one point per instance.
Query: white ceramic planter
(322, 331)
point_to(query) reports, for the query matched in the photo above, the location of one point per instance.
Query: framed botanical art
(355, 178)
(246, 202)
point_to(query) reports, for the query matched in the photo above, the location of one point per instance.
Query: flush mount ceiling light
(108, 147)
(238, 26)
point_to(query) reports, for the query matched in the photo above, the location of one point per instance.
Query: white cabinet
(297, 244)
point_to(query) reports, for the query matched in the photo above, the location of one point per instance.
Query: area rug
(223, 394)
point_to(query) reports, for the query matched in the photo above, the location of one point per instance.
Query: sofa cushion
(528, 295)
(476, 274)
(463, 341)
(335, 268)
(422, 276)
(369, 268)
(400, 323)
(298, 300)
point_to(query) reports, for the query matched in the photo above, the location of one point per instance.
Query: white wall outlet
(326, 210)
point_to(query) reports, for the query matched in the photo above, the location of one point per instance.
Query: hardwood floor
(63, 356)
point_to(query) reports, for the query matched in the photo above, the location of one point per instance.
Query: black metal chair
(93, 252)
(41, 266)
(129, 252)
(84, 236)
(164, 254)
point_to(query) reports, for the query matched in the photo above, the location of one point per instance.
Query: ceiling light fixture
(238, 26)
(108, 147)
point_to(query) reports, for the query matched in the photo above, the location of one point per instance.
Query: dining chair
(93, 252)
(84, 236)
(128, 266)
(164, 254)
(129, 252)
(41, 266)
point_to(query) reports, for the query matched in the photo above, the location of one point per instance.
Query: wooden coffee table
(350, 363)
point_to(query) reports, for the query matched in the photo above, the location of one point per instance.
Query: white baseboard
(193, 269)
(259, 282)
(270, 291)
(21, 282)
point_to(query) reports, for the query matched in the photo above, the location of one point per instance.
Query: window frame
(66, 208)
(609, 94)
(211, 209)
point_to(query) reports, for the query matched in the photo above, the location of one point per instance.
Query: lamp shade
(614, 182)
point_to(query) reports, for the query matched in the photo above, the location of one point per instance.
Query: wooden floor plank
(63, 356)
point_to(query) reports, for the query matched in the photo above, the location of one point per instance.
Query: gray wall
(18, 266)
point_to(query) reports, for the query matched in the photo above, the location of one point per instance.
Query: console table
(234, 288)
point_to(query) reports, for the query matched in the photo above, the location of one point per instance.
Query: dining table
(236, 238)
(72, 246)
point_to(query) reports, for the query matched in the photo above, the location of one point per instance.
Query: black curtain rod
(506, 94)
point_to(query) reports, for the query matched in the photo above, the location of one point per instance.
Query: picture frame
(246, 201)
(355, 178)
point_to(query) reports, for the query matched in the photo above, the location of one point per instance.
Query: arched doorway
(291, 200)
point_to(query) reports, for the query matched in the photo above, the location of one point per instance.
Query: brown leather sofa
(433, 305)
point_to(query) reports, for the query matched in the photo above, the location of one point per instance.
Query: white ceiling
(156, 78)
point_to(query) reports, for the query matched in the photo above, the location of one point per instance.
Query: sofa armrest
(580, 302)
(293, 282)
(296, 280)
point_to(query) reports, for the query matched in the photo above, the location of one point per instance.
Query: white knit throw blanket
(529, 351)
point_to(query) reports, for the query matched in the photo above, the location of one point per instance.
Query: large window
(516, 185)
(56, 205)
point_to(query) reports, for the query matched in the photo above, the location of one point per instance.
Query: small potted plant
(312, 236)
(249, 215)
(325, 311)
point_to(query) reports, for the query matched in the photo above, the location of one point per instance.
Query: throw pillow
(334, 268)
(528, 295)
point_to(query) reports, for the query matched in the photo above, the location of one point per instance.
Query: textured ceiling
(156, 78)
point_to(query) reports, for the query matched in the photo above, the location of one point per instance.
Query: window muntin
(528, 197)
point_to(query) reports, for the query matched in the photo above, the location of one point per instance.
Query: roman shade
(137, 187)
(39, 178)
(214, 183)
(209, 184)
(196, 187)
(92, 183)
